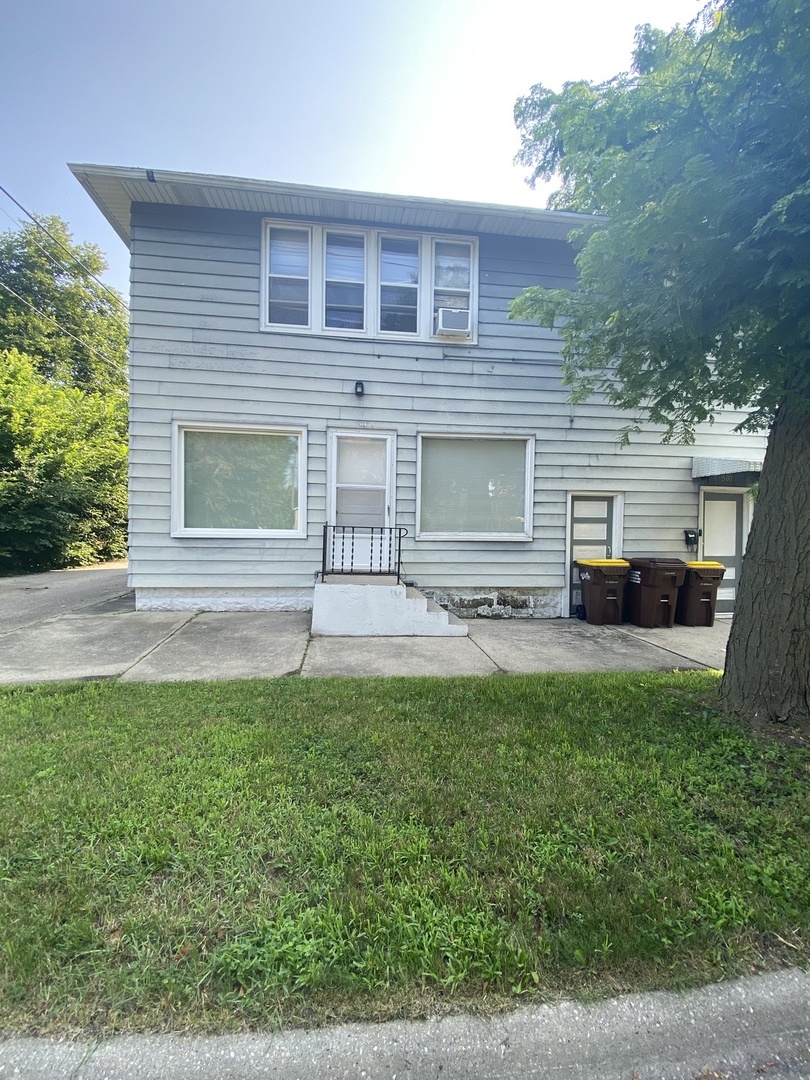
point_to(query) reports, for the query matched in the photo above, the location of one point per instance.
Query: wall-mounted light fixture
(359, 389)
(690, 537)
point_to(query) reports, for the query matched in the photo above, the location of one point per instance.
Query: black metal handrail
(362, 549)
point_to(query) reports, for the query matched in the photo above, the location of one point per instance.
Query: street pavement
(754, 1028)
(82, 624)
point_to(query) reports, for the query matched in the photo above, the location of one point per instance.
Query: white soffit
(708, 466)
(114, 189)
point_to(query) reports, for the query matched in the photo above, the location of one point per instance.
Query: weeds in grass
(227, 855)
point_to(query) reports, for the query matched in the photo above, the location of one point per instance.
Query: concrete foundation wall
(490, 603)
(155, 599)
(499, 603)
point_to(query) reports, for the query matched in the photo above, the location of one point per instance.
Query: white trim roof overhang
(114, 188)
(703, 467)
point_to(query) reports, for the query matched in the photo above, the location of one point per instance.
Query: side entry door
(723, 540)
(591, 536)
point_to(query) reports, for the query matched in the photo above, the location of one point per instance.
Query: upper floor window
(288, 284)
(345, 278)
(369, 283)
(452, 282)
(399, 285)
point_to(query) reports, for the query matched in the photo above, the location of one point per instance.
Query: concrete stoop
(367, 606)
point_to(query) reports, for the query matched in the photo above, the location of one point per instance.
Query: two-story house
(304, 357)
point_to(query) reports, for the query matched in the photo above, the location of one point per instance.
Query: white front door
(723, 539)
(361, 492)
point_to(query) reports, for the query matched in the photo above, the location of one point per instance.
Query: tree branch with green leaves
(694, 279)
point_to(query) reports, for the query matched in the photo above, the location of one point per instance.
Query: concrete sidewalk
(756, 1027)
(81, 624)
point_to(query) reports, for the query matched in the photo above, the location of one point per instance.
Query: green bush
(63, 462)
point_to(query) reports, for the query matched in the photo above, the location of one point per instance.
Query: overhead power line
(46, 315)
(66, 249)
(48, 254)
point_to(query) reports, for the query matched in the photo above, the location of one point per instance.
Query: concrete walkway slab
(227, 645)
(81, 624)
(706, 645)
(82, 646)
(526, 646)
(395, 656)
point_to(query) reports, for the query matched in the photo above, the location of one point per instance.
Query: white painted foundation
(223, 599)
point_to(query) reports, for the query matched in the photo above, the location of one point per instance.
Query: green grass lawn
(228, 855)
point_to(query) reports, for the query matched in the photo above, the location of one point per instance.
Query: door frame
(616, 542)
(332, 437)
(748, 509)
(745, 524)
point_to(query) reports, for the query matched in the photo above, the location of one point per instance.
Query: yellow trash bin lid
(706, 565)
(602, 562)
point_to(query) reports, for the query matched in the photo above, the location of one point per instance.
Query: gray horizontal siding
(198, 354)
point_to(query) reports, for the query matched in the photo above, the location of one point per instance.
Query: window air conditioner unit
(453, 322)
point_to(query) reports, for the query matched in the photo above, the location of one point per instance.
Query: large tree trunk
(768, 660)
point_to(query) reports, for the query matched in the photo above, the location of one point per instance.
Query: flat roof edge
(115, 179)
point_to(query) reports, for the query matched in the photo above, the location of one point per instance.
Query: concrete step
(360, 579)
(351, 607)
(452, 619)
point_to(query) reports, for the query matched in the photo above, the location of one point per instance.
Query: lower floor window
(476, 487)
(238, 482)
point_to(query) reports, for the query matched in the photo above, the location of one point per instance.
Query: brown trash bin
(652, 591)
(602, 582)
(697, 597)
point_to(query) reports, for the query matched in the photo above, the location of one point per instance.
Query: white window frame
(421, 326)
(178, 527)
(528, 500)
(312, 299)
(321, 306)
(434, 240)
(373, 238)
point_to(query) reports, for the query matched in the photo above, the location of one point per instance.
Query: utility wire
(47, 315)
(3, 210)
(74, 257)
(48, 254)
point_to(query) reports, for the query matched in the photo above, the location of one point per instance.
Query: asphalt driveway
(82, 624)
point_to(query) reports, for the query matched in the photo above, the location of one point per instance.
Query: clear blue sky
(412, 97)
